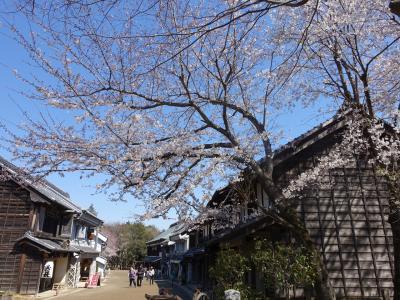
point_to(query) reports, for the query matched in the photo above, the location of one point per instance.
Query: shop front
(54, 256)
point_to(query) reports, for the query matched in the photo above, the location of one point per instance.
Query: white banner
(48, 269)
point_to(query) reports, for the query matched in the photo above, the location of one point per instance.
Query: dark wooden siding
(9, 265)
(31, 273)
(348, 220)
(14, 222)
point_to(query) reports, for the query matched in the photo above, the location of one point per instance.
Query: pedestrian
(140, 274)
(151, 273)
(132, 276)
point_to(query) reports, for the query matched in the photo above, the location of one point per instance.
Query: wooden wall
(15, 208)
(31, 273)
(348, 220)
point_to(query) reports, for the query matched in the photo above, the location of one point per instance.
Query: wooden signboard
(93, 280)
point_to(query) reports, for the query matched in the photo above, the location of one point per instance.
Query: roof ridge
(309, 132)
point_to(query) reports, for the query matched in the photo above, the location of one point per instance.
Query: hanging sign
(48, 269)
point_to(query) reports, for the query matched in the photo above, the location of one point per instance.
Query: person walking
(140, 274)
(132, 276)
(151, 273)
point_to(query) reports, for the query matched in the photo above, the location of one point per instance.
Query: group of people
(136, 275)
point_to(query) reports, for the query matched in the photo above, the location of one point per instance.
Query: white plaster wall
(93, 267)
(60, 272)
(100, 269)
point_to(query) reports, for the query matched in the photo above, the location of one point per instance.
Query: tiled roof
(90, 218)
(50, 245)
(47, 189)
(55, 245)
(337, 117)
(335, 123)
(296, 145)
(86, 249)
(172, 230)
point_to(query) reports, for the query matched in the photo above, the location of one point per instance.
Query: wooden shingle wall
(347, 217)
(14, 222)
(31, 274)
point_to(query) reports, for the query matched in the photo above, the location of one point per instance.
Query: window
(90, 233)
(50, 224)
(79, 231)
(66, 225)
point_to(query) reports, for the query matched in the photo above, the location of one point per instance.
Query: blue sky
(82, 191)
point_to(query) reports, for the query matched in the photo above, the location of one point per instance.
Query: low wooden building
(348, 219)
(161, 249)
(38, 224)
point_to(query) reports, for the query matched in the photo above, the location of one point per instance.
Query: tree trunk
(287, 293)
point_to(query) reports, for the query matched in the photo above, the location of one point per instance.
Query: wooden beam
(32, 218)
(39, 277)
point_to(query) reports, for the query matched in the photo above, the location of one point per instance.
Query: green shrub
(282, 266)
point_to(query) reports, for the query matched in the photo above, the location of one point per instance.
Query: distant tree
(111, 232)
(127, 242)
(92, 209)
(135, 237)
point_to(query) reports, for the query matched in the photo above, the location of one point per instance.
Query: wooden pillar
(39, 277)
(21, 272)
(32, 218)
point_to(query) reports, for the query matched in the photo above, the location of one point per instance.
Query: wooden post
(32, 218)
(385, 294)
(21, 272)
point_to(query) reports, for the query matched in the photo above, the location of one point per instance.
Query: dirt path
(116, 287)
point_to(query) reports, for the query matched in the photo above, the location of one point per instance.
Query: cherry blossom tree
(172, 99)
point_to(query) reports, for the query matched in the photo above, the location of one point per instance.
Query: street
(117, 287)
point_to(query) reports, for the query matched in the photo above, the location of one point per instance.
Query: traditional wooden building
(165, 251)
(347, 218)
(44, 236)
